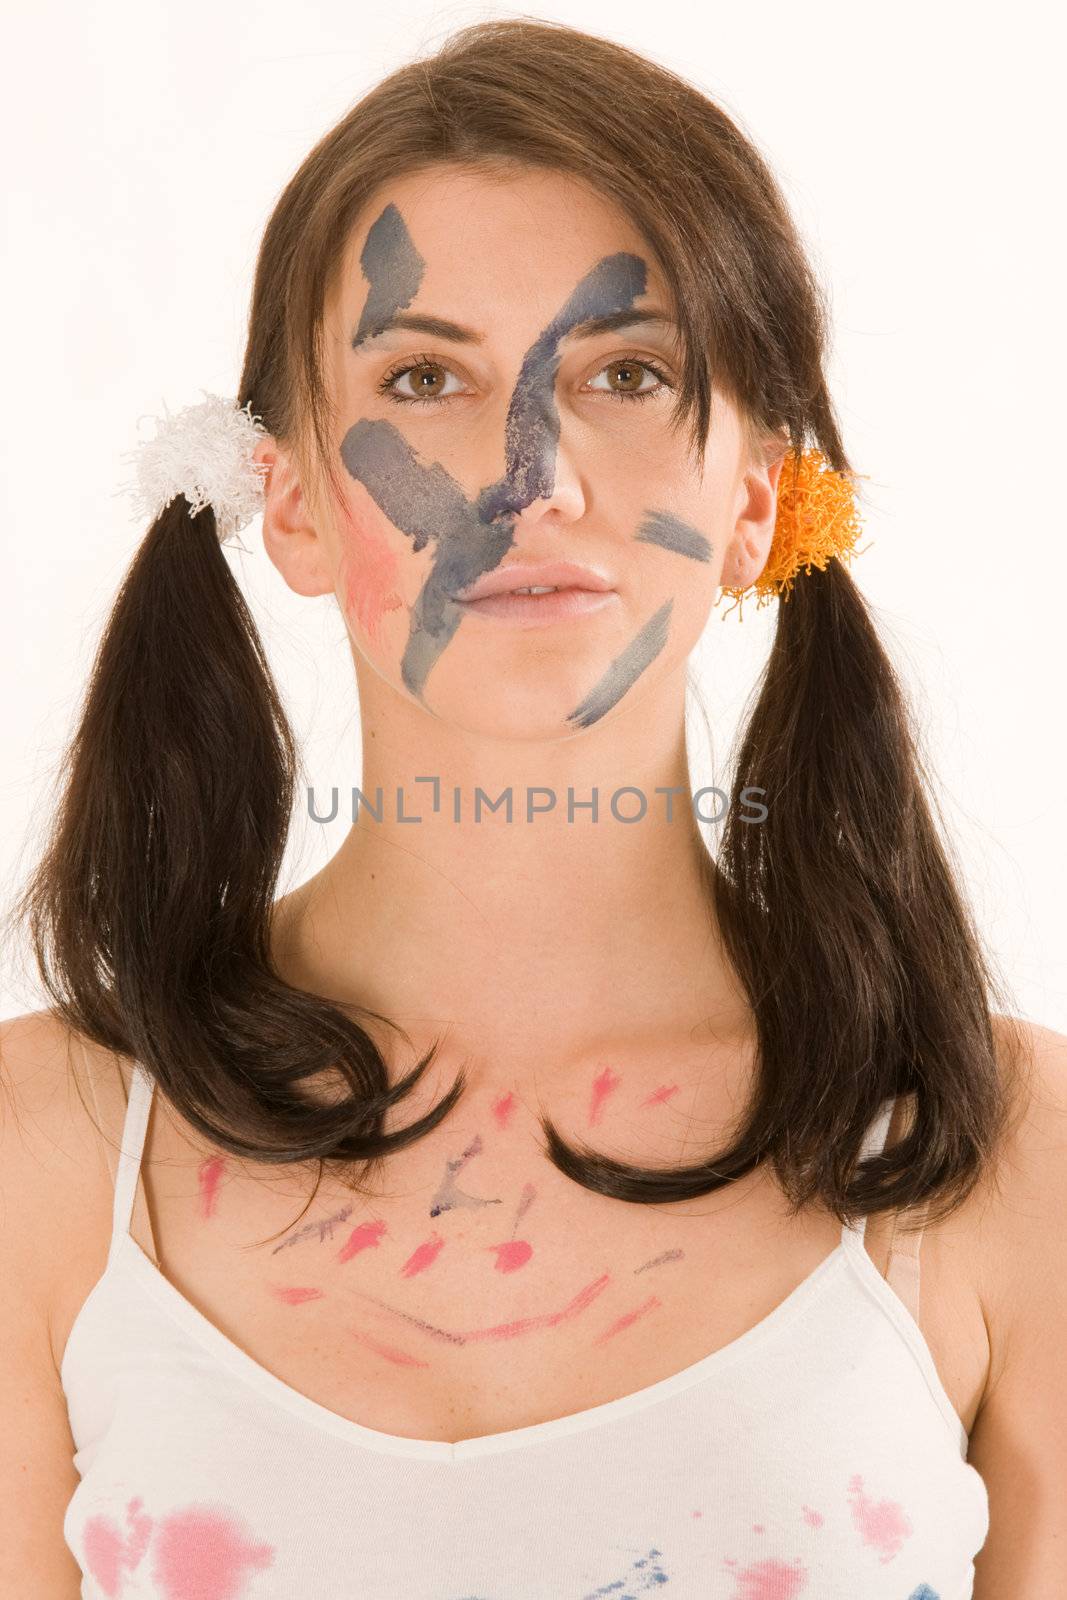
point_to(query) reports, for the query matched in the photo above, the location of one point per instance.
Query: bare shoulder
(51, 1190)
(53, 1174)
(1019, 1440)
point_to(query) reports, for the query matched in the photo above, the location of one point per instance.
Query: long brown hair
(150, 911)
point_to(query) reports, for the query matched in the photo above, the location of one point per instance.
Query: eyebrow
(456, 333)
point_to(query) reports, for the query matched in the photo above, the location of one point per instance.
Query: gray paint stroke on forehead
(531, 431)
(626, 668)
(393, 268)
(660, 527)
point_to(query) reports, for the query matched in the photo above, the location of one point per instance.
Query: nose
(556, 475)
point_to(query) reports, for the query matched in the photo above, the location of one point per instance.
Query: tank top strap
(902, 1265)
(873, 1145)
(134, 1128)
(902, 1270)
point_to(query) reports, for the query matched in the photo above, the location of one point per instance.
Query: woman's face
(504, 366)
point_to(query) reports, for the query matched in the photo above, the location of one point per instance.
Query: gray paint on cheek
(393, 268)
(425, 503)
(531, 432)
(624, 671)
(659, 527)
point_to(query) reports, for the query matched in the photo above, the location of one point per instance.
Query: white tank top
(815, 1457)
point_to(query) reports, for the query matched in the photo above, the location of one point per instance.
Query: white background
(919, 149)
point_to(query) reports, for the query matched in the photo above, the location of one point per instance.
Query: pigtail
(149, 911)
(842, 916)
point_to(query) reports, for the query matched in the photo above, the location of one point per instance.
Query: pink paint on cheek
(511, 1254)
(658, 1096)
(604, 1083)
(883, 1526)
(770, 1580)
(364, 1237)
(502, 1107)
(370, 574)
(814, 1519)
(209, 1177)
(295, 1296)
(108, 1554)
(203, 1553)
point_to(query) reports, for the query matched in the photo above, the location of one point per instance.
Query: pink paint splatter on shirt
(511, 1254)
(658, 1096)
(108, 1554)
(204, 1553)
(423, 1256)
(209, 1176)
(814, 1519)
(770, 1580)
(502, 1108)
(884, 1525)
(757, 1527)
(604, 1083)
(295, 1296)
(627, 1319)
(361, 1238)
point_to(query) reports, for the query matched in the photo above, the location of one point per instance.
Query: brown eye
(625, 376)
(427, 379)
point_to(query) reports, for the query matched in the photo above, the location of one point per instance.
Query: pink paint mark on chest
(814, 1519)
(627, 1319)
(370, 574)
(423, 1256)
(604, 1083)
(295, 1296)
(884, 1526)
(109, 1554)
(550, 1319)
(206, 1553)
(526, 1200)
(770, 1580)
(209, 1176)
(513, 1253)
(361, 1238)
(502, 1108)
(658, 1096)
(399, 1358)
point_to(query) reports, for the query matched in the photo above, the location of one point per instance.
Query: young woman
(609, 1277)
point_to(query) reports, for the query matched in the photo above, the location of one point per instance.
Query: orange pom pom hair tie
(817, 518)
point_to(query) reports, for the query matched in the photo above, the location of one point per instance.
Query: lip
(565, 576)
(538, 610)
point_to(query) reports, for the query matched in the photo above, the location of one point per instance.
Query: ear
(290, 536)
(750, 544)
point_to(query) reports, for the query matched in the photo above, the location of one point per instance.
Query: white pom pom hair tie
(206, 453)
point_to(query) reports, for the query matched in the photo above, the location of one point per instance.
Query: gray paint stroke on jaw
(425, 501)
(624, 671)
(393, 268)
(659, 527)
(531, 432)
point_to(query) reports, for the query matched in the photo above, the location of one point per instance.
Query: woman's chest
(465, 1294)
